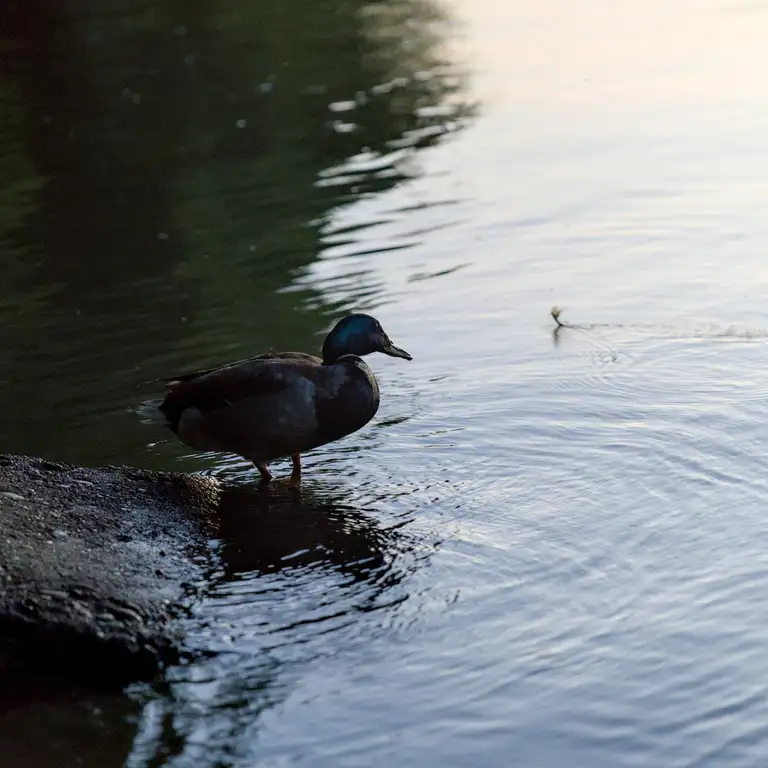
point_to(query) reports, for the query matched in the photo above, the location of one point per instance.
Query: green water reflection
(167, 170)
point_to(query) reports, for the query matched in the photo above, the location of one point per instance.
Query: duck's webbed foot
(266, 475)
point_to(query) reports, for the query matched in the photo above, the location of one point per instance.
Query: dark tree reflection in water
(168, 170)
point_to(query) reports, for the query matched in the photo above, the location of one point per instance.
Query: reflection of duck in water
(282, 403)
(268, 531)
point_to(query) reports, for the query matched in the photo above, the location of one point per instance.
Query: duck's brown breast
(346, 401)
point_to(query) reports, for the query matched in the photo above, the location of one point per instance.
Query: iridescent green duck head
(358, 335)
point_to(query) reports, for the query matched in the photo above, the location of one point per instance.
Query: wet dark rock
(94, 564)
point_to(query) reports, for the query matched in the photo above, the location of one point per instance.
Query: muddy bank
(93, 565)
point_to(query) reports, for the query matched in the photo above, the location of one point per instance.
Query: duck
(279, 404)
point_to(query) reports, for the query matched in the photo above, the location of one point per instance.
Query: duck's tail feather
(151, 413)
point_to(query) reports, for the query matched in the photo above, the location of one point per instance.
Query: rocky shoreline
(94, 565)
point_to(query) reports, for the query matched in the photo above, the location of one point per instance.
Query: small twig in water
(555, 312)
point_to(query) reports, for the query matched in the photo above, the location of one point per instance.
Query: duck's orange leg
(266, 475)
(296, 472)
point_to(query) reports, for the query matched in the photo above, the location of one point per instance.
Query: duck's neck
(332, 359)
(332, 351)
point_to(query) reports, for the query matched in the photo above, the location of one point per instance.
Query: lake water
(549, 548)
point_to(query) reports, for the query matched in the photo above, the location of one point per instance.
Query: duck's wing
(216, 388)
(190, 375)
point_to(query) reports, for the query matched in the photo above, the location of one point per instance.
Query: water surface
(548, 548)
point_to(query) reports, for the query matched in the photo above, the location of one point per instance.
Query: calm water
(549, 549)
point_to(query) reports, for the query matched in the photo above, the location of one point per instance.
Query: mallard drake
(281, 403)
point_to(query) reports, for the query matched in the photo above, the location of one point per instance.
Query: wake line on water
(709, 332)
